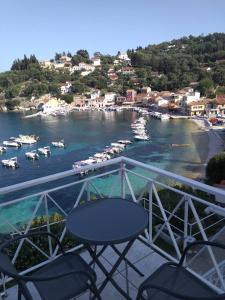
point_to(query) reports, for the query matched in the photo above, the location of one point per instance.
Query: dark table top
(107, 221)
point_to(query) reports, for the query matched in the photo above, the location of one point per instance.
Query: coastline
(215, 144)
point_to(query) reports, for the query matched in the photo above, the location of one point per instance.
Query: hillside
(166, 66)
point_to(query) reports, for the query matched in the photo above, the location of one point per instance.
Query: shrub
(215, 169)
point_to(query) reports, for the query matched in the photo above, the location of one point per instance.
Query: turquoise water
(86, 133)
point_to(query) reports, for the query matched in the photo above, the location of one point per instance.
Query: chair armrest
(207, 243)
(63, 274)
(162, 289)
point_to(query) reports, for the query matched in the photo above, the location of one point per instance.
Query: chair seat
(67, 286)
(178, 280)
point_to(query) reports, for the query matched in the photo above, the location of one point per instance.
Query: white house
(109, 99)
(163, 102)
(83, 66)
(66, 88)
(194, 96)
(95, 94)
(64, 59)
(51, 106)
(123, 56)
(96, 61)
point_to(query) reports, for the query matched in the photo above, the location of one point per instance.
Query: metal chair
(63, 278)
(172, 281)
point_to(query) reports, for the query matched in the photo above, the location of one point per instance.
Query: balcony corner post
(122, 176)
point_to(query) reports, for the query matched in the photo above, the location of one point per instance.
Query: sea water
(88, 132)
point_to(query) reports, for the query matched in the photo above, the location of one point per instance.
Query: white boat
(137, 125)
(11, 163)
(103, 156)
(118, 145)
(32, 154)
(11, 144)
(2, 149)
(165, 117)
(125, 142)
(26, 139)
(141, 137)
(78, 165)
(44, 151)
(59, 144)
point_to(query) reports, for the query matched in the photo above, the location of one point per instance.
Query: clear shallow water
(86, 133)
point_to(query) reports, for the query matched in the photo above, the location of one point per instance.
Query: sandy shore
(216, 143)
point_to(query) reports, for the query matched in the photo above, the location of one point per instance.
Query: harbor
(89, 132)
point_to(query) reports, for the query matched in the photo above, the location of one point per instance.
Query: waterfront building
(110, 99)
(120, 100)
(52, 105)
(95, 94)
(220, 104)
(131, 95)
(190, 97)
(197, 108)
(146, 90)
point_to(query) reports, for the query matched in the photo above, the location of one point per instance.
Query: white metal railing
(176, 216)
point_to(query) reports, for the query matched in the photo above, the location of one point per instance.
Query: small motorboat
(164, 117)
(125, 142)
(32, 155)
(79, 165)
(103, 156)
(11, 144)
(118, 145)
(2, 149)
(59, 144)
(143, 137)
(44, 151)
(10, 163)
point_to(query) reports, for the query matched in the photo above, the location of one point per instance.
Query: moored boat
(32, 155)
(164, 117)
(2, 149)
(26, 139)
(10, 163)
(44, 151)
(125, 142)
(11, 144)
(141, 137)
(59, 144)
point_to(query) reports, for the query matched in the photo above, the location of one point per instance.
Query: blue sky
(44, 27)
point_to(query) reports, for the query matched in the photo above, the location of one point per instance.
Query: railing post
(4, 293)
(88, 191)
(186, 212)
(48, 225)
(122, 177)
(150, 210)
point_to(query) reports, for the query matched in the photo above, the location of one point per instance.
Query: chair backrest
(7, 267)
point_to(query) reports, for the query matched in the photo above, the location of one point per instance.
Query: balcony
(180, 211)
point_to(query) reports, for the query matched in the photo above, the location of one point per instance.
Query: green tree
(215, 169)
(206, 86)
(11, 104)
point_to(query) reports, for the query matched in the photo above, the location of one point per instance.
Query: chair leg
(19, 293)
